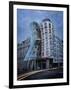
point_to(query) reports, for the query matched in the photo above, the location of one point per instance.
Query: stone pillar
(47, 64)
(34, 64)
(31, 64)
(27, 64)
(41, 65)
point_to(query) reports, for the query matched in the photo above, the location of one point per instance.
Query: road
(43, 74)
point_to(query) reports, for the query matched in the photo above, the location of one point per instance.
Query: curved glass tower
(34, 49)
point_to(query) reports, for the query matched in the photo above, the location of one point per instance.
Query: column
(47, 64)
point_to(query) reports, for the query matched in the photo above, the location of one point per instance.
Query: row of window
(47, 25)
(49, 30)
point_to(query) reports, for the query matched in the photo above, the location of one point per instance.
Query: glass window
(49, 25)
(49, 30)
(45, 25)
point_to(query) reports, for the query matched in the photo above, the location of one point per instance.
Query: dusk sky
(27, 16)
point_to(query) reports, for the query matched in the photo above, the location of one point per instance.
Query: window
(49, 25)
(49, 30)
(45, 25)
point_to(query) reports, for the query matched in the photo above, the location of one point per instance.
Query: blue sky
(26, 16)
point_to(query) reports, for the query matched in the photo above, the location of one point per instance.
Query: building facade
(42, 50)
(22, 49)
(47, 38)
(58, 50)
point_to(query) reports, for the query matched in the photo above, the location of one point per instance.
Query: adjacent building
(58, 50)
(22, 49)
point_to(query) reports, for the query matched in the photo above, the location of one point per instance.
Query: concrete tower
(47, 38)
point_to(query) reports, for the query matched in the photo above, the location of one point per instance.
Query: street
(42, 74)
